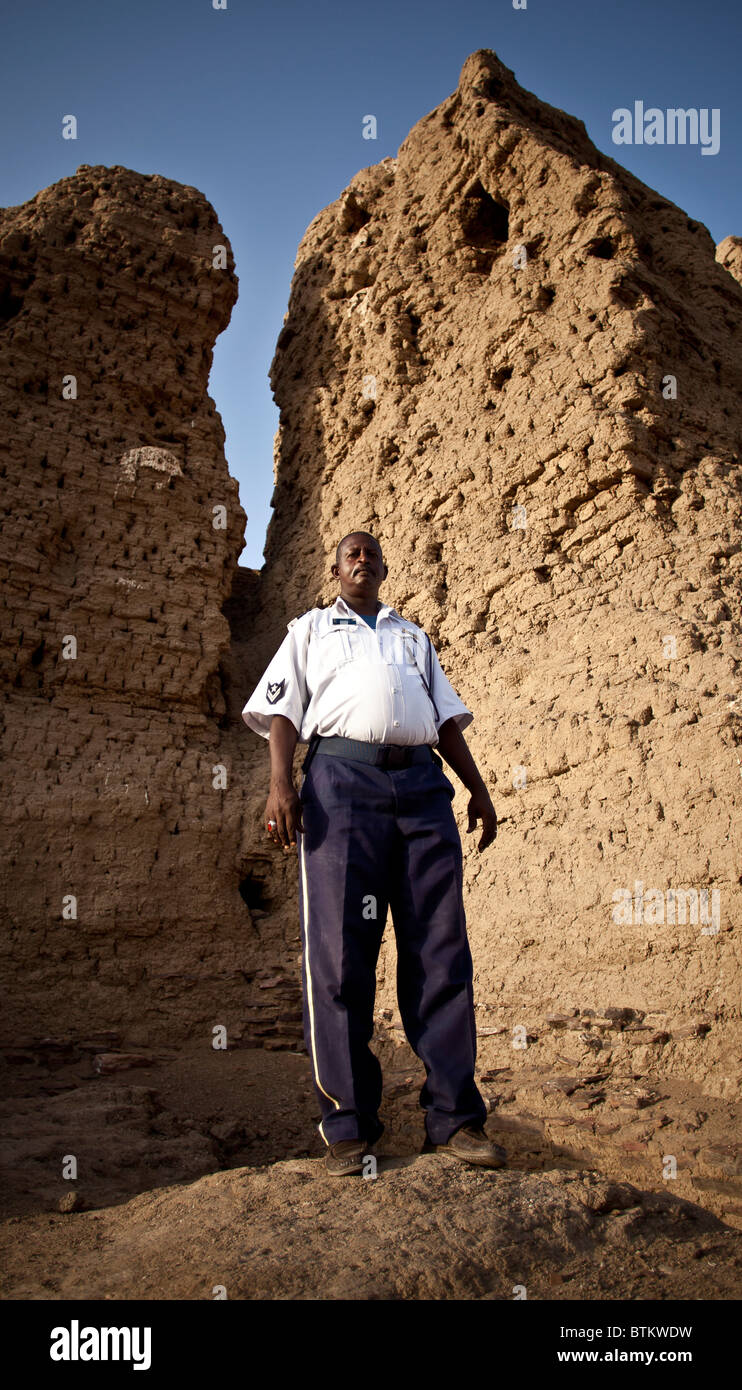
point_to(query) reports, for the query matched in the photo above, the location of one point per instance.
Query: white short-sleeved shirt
(333, 674)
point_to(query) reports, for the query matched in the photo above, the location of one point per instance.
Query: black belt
(382, 755)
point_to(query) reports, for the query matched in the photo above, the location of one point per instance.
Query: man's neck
(363, 609)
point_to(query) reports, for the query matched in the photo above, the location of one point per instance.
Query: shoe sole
(346, 1168)
(467, 1158)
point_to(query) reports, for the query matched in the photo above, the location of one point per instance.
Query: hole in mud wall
(484, 222)
(602, 247)
(253, 892)
(10, 304)
(488, 87)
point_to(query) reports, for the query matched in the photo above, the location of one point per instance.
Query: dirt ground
(200, 1175)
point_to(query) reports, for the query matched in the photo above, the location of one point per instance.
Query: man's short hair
(347, 537)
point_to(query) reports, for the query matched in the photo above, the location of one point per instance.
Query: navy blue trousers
(375, 840)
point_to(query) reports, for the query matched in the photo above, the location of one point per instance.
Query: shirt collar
(385, 611)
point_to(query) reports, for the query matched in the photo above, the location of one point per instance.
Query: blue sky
(260, 105)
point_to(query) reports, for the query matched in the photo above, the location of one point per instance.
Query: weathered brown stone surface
(729, 254)
(423, 1229)
(429, 385)
(111, 759)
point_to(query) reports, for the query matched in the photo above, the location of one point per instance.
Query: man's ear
(335, 571)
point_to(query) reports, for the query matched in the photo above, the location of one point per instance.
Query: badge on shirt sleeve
(274, 691)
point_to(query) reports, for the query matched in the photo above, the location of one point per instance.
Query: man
(376, 830)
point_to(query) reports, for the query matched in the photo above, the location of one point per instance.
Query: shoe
(347, 1157)
(472, 1145)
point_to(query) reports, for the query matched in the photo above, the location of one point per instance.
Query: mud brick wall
(124, 782)
(563, 519)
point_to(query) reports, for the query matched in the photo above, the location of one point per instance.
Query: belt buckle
(396, 756)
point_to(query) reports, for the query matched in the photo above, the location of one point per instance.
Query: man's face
(361, 567)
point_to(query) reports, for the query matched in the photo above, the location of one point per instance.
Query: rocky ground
(201, 1171)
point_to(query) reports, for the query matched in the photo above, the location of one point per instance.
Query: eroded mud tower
(515, 364)
(121, 533)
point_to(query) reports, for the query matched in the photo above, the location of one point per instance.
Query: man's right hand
(284, 807)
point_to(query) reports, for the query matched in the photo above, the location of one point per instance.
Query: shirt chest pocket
(338, 645)
(408, 651)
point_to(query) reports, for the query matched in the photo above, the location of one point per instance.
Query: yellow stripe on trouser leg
(310, 1001)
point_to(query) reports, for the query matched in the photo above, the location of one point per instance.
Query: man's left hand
(481, 808)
